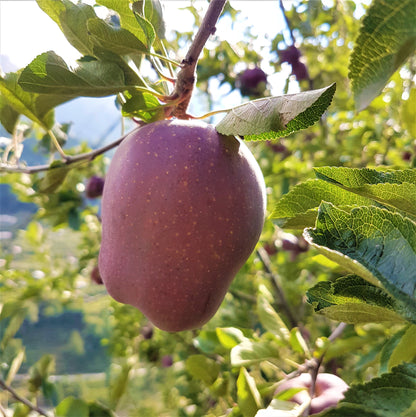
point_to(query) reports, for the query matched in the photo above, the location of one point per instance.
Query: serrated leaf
(72, 407)
(128, 20)
(275, 117)
(36, 107)
(386, 396)
(49, 74)
(117, 40)
(393, 188)
(387, 38)
(352, 299)
(379, 241)
(249, 399)
(72, 20)
(203, 368)
(299, 207)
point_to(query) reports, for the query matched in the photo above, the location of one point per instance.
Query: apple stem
(187, 75)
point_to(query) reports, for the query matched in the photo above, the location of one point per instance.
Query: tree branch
(264, 258)
(186, 77)
(89, 156)
(24, 401)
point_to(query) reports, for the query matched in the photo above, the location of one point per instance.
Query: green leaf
(119, 41)
(230, 336)
(99, 410)
(118, 385)
(390, 395)
(249, 399)
(250, 352)
(16, 320)
(270, 320)
(8, 115)
(275, 117)
(36, 107)
(153, 12)
(144, 106)
(53, 178)
(15, 365)
(49, 74)
(352, 299)
(408, 113)
(405, 349)
(381, 242)
(139, 27)
(299, 207)
(387, 38)
(40, 371)
(72, 407)
(393, 188)
(72, 20)
(203, 368)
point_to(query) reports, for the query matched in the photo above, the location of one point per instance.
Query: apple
(166, 361)
(329, 390)
(94, 187)
(252, 82)
(95, 276)
(290, 55)
(182, 210)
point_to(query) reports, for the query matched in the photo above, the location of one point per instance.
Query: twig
(282, 8)
(89, 156)
(315, 370)
(24, 401)
(186, 77)
(264, 258)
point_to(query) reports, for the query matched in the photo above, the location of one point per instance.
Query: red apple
(329, 390)
(182, 210)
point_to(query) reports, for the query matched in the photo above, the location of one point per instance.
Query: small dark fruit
(166, 361)
(290, 55)
(147, 331)
(252, 82)
(94, 188)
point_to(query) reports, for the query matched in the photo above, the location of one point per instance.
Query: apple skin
(329, 390)
(182, 210)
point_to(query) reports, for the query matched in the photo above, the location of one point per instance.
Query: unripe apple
(183, 208)
(329, 390)
(94, 187)
(252, 82)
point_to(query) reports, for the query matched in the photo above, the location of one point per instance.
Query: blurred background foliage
(108, 352)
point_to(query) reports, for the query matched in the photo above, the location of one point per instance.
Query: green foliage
(275, 117)
(381, 49)
(357, 266)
